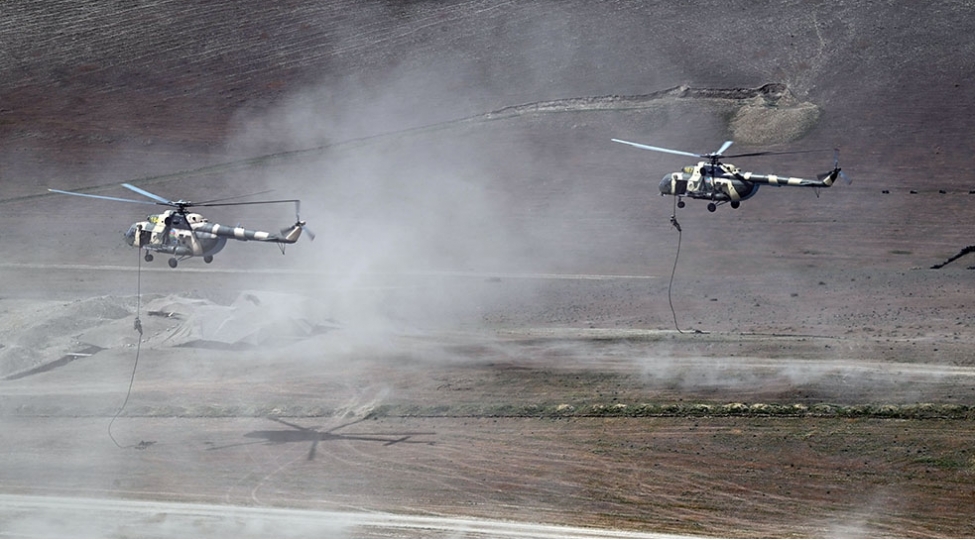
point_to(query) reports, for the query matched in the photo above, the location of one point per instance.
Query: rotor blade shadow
(298, 434)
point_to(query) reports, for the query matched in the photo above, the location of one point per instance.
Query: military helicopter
(188, 234)
(722, 183)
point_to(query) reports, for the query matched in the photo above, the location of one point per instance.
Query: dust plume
(411, 227)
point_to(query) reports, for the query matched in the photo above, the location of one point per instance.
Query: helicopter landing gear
(148, 257)
(208, 259)
(173, 262)
(712, 207)
(680, 203)
(735, 204)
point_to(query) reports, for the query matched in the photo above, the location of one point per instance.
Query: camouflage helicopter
(188, 234)
(722, 183)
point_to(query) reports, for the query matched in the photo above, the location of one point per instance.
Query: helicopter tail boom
(287, 236)
(824, 180)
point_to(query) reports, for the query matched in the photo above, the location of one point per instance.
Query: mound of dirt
(764, 121)
(254, 319)
(47, 333)
(40, 333)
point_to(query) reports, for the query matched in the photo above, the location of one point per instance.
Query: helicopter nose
(130, 235)
(666, 186)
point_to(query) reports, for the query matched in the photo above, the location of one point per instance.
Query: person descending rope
(137, 325)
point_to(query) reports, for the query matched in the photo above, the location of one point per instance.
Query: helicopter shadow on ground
(299, 433)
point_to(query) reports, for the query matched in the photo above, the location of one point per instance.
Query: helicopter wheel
(735, 204)
(712, 207)
(681, 204)
(173, 262)
(208, 259)
(148, 257)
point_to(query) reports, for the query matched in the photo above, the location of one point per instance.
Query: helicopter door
(680, 186)
(144, 237)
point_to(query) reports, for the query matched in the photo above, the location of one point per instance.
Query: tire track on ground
(28, 515)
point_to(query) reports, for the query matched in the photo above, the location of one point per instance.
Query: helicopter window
(680, 187)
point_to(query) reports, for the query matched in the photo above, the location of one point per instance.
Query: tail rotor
(837, 172)
(301, 224)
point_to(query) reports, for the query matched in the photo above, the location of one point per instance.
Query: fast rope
(137, 325)
(676, 224)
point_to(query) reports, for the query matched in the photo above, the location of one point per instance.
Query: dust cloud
(413, 219)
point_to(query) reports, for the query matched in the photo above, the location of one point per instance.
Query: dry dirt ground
(482, 329)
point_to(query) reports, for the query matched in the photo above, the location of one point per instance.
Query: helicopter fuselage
(722, 183)
(188, 234)
(174, 233)
(192, 235)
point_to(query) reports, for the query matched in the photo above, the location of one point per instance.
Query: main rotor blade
(243, 203)
(102, 197)
(752, 154)
(234, 197)
(666, 150)
(152, 196)
(289, 424)
(724, 147)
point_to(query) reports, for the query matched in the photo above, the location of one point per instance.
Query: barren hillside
(487, 324)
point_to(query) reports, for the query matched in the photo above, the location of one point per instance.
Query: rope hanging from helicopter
(673, 272)
(137, 325)
(670, 287)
